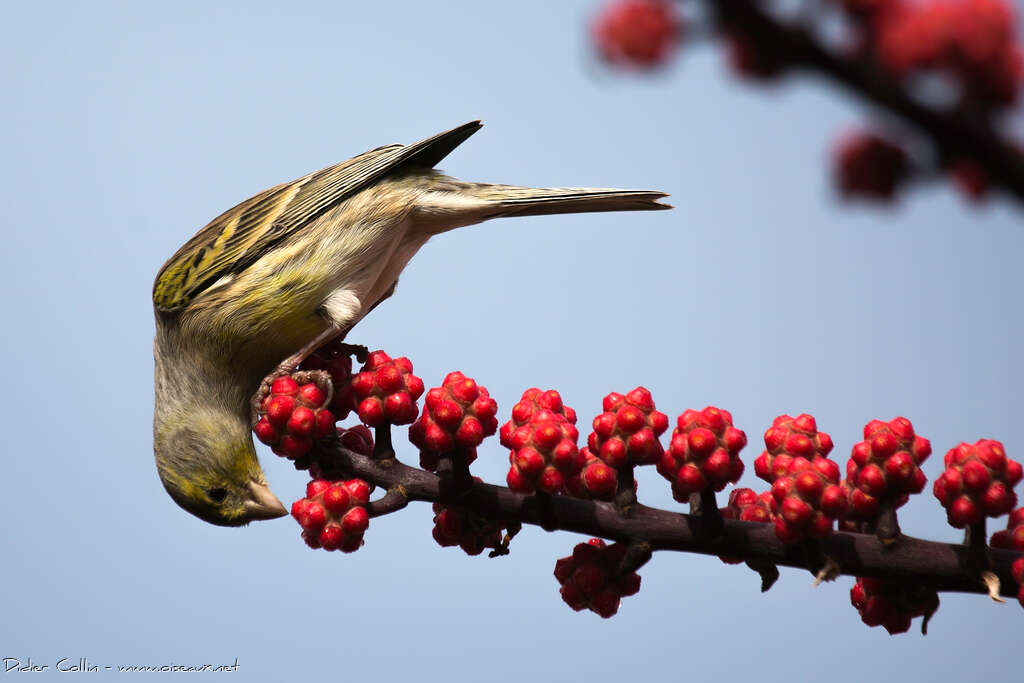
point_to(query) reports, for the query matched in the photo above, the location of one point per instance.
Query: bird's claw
(321, 378)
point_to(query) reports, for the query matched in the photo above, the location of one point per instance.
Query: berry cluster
(978, 482)
(703, 453)
(292, 416)
(588, 577)
(468, 530)
(973, 42)
(637, 33)
(885, 466)
(332, 515)
(542, 436)
(596, 480)
(748, 506)
(805, 483)
(458, 414)
(385, 390)
(1012, 538)
(890, 604)
(867, 166)
(627, 432)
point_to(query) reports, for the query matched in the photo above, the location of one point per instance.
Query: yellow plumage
(295, 265)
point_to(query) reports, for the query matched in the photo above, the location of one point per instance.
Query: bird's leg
(290, 364)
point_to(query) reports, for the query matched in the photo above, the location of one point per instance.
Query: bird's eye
(217, 495)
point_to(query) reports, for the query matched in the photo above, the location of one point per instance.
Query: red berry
(355, 521)
(265, 432)
(312, 395)
(284, 386)
(279, 409)
(359, 490)
(336, 499)
(331, 537)
(964, 512)
(302, 421)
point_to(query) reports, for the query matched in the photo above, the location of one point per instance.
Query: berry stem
(625, 494)
(637, 555)
(704, 506)
(392, 501)
(453, 469)
(382, 445)
(942, 565)
(548, 520)
(887, 526)
(975, 538)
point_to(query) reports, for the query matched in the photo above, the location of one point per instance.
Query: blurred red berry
(868, 166)
(637, 33)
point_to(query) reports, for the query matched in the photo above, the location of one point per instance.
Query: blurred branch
(955, 135)
(942, 566)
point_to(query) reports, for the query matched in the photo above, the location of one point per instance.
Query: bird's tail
(451, 203)
(509, 200)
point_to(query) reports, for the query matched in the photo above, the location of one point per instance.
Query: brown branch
(954, 134)
(943, 566)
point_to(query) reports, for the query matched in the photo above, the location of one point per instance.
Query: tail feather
(508, 200)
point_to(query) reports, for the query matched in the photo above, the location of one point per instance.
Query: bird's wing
(240, 236)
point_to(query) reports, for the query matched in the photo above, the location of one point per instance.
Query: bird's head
(208, 465)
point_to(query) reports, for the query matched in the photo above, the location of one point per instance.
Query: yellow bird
(266, 283)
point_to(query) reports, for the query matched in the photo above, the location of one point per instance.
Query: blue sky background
(129, 125)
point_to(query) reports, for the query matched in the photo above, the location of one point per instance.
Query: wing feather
(241, 235)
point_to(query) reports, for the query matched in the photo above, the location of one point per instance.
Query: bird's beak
(263, 504)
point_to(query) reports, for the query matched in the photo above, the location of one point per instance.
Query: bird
(295, 267)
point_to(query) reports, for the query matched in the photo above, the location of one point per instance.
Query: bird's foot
(340, 348)
(320, 378)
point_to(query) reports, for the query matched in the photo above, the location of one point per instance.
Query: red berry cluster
(867, 166)
(332, 514)
(1012, 538)
(385, 390)
(627, 432)
(596, 479)
(588, 577)
(704, 452)
(542, 437)
(972, 41)
(458, 414)
(885, 466)
(805, 483)
(293, 415)
(978, 482)
(748, 506)
(458, 526)
(637, 33)
(890, 604)
(336, 361)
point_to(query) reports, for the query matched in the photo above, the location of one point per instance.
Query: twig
(942, 565)
(954, 134)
